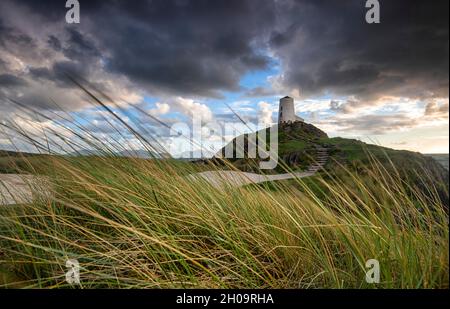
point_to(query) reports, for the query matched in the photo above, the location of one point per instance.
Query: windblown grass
(134, 223)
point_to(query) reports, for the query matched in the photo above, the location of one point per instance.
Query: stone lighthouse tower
(287, 111)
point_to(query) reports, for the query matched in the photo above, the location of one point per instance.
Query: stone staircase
(320, 160)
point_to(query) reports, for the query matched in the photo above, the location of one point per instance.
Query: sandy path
(15, 189)
(220, 179)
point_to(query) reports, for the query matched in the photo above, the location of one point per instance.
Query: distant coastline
(442, 158)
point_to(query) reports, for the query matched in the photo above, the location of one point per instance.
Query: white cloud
(160, 109)
(190, 108)
(265, 112)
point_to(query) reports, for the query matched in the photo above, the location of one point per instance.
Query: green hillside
(299, 143)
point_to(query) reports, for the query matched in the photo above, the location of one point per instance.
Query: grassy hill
(297, 150)
(298, 143)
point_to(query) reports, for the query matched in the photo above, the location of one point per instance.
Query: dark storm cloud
(54, 43)
(78, 47)
(60, 71)
(259, 92)
(377, 124)
(9, 80)
(188, 47)
(328, 46)
(2, 64)
(81, 52)
(198, 48)
(201, 48)
(10, 36)
(53, 10)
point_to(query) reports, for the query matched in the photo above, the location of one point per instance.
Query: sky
(385, 83)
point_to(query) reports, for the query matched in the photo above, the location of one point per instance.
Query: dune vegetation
(139, 223)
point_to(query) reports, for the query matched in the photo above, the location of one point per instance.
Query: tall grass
(134, 223)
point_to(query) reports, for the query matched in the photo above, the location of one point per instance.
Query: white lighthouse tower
(286, 111)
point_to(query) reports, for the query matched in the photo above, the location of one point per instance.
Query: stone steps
(321, 159)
